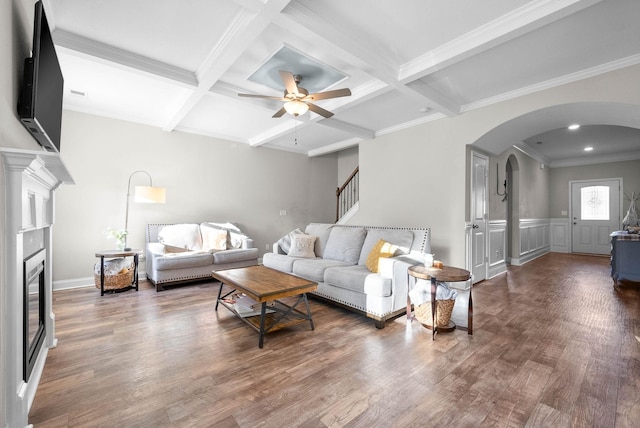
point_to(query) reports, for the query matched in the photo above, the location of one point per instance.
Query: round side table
(446, 274)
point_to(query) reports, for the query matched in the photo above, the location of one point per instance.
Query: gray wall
(206, 180)
(347, 163)
(560, 178)
(419, 176)
(533, 187)
(16, 33)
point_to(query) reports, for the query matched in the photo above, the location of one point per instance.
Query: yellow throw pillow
(381, 250)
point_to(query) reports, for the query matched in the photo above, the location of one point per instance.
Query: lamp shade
(150, 195)
(296, 108)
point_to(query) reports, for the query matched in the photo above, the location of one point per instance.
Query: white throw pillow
(235, 236)
(213, 238)
(302, 246)
(227, 226)
(236, 239)
(285, 242)
(183, 235)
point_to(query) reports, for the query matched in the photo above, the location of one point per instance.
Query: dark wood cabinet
(625, 257)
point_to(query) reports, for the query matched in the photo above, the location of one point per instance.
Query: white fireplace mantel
(31, 178)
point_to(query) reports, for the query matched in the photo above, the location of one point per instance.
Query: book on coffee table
(245, 306)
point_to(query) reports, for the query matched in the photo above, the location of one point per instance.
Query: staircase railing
(348, 194)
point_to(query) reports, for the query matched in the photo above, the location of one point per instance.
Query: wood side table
(446, 274)
(110, 254)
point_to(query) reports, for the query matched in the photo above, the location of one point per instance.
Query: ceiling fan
(297, 99)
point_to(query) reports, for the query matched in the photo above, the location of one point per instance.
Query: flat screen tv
(40, 102)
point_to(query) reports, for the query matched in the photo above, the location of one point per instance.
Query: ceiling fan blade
(280, 112)
(289, 82)
(345, 92)
(319, 110)
(269, 97)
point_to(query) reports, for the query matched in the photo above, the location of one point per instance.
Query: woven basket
(117, 281)
(443, 313)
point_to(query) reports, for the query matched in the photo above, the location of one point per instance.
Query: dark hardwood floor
(554, 345)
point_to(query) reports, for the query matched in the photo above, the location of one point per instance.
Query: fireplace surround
(34, 302)
(30, 181)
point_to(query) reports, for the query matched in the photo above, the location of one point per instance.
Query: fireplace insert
(33, 313)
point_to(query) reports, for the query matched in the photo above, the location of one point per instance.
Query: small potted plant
(119, 235)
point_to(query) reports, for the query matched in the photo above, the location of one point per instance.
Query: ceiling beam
(336, 147)
(240, 34)
(522, 20)
(358, 131)
(351, 43)
(121, 57)
(232, 91)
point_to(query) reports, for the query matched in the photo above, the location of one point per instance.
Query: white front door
(479, 177)
(595, 213)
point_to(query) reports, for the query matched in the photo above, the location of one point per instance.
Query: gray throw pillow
(321, 230)
(345, 244)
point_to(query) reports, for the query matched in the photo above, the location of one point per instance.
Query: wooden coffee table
(266, 286)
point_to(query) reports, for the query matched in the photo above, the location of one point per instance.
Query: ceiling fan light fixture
(296, 108)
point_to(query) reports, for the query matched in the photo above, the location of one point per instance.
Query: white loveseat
(179, 253)
(338, 262)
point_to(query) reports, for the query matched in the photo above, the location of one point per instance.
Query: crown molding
(225, 137)
(593, 160)
(532, 153)
(559, 81)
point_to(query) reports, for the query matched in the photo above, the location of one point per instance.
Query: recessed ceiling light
(588, 149)
(574, 127)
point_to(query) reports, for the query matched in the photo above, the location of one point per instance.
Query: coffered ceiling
(179, 65)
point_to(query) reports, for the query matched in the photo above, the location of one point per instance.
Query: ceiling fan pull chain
(295, 137)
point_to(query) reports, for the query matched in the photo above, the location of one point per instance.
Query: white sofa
(338, 263)
(179, 253)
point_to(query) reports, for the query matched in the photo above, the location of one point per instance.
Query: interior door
(479, 178)
(595, 213)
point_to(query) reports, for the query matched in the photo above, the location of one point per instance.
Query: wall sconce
(498, 184)
(143, 194)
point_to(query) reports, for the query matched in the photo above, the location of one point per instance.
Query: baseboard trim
(68, 284)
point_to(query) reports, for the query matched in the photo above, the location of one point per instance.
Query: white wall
(206, 180)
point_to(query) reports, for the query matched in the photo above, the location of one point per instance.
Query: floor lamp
(143, 194)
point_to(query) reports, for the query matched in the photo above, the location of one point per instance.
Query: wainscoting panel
(534, 240)
(497, 247)
(560, 235)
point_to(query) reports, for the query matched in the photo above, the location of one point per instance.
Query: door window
(594, 201)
